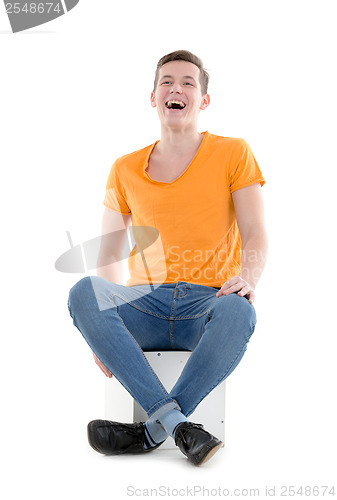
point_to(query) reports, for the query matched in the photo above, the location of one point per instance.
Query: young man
(198, 223)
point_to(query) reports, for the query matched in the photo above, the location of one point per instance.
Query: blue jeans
(119, 323)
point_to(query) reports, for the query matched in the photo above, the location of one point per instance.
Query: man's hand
(237, 285)
(102, 367)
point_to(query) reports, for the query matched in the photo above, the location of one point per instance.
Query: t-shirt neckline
(205, 134)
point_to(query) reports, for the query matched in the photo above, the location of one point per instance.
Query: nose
(176, 88)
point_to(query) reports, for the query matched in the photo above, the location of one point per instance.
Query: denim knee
(237, 309)
(244, 307)
(78, 292)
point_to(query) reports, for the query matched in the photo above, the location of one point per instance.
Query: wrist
(246, 276)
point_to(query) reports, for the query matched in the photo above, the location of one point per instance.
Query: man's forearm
(253, 258)
(111, 272)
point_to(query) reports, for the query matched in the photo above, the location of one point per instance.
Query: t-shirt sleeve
(115, 197)
(244, 169)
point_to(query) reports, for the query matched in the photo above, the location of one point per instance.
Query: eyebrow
(170, 76)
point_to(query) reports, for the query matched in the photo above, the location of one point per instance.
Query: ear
(205, 101)
(153, 100)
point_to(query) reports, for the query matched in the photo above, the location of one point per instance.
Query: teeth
(179, 103)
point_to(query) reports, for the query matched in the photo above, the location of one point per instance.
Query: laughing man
(192, 287)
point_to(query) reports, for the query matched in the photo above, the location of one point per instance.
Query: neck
(177, 141)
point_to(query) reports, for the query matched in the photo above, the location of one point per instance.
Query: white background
(75, 96)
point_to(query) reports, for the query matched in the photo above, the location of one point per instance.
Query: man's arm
(249, 212)
(114, 238)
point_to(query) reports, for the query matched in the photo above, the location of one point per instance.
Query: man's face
(178, 96)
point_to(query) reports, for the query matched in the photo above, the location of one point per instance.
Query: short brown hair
(184, 55)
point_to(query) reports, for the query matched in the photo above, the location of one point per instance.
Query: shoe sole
(210, 454)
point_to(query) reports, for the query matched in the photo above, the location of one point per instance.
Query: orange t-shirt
(184, 230)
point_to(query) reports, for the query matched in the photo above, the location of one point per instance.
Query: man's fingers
(226, 290)
(249, 294)
(102, 367)
(105, 371)
(239, 286)
(233, 288)
(226, 287)
(245, 290)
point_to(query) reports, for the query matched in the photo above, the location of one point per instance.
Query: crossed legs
(119, 322)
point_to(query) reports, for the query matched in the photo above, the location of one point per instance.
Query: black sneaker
(115, 438)
(197, 444)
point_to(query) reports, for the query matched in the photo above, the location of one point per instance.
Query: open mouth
(174, 104)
